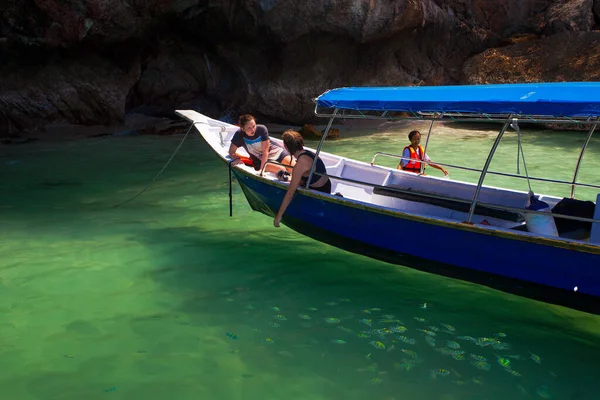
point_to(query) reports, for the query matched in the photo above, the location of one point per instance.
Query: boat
(536, 245)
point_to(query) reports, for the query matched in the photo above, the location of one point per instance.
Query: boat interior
(440, 198)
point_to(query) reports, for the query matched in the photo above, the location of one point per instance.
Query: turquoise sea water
(167, 297)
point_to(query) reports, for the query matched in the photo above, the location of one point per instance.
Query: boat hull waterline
(488, 252)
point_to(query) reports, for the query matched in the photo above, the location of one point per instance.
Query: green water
(167, 297)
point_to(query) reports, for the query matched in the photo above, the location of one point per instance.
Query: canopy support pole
(587, 140)
(427, 140)
(314, 164)
(485, 168)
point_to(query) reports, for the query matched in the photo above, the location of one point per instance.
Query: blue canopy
(560, 99)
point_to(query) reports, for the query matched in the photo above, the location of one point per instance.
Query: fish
(376, 381)
(429, 333)
(407, 340)
(366, 321)
(448, 327)
(363, 335)
(69, 356)
(410, 353)
(269, 340)
(312, 309)
(111, 389)
(504, 362)
(423, 306)
(377, 345)
(231, 336)
(434, 328)
(331, 303)
(482, 342)
(430, 341)
(477, 358)
(280, 317)
(466, 338)
(500, 334)
(441, 372)
(537, 359)
(458, 357)
(399, 329)
(420, 319)
(392, 347)
(444, 351)
(274, 308)
(338, 341)
(512, 372)
(367, 311)
(344, 300)
(304, 317)
(481, 365)
(249, 307)
(348, 330)
(274, 324)
(452, 345)
(375, 309)
(500, 346)
(332, 320)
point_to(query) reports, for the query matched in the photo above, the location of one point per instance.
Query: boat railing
(441, 197)
(448, 198)
(381, 153)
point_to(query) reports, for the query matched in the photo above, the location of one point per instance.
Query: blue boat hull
(551, 272)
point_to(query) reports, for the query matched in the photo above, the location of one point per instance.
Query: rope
(160, 172)
(230, 195)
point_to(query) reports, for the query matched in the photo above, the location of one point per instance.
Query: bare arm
(300, 168)
(439, 167)
(232, 149)
(265, 145)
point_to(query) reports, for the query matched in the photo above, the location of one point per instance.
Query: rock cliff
(93, 61)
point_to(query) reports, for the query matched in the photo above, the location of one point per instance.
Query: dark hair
(293, 141)
(244, 119)
(412, 134)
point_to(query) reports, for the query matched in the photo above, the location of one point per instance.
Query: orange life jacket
(245, 160)
(413, 165)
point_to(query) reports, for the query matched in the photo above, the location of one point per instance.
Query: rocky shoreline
(97, 63)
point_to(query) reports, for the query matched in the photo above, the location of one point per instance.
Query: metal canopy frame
(389, 115)
(505, 119)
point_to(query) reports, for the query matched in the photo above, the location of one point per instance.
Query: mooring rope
(160, 172)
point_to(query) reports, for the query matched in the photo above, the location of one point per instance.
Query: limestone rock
(95, 60)
(569, 56)
(308, 131)
(85, 91)
(569, 16)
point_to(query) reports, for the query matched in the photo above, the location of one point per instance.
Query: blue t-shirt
(253, 144)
